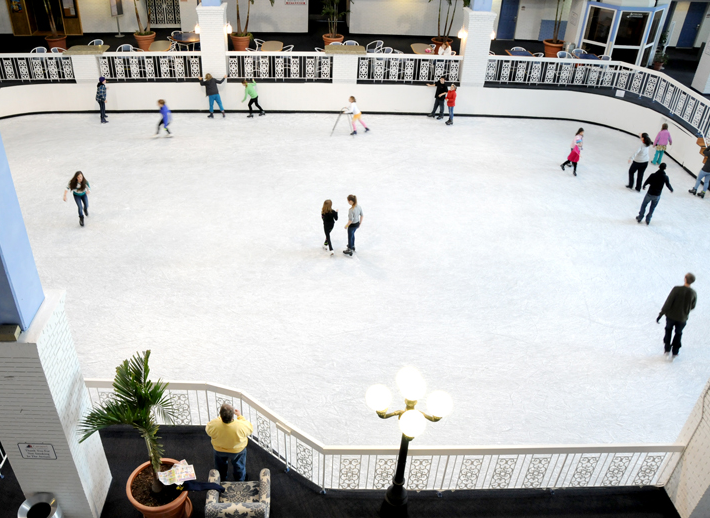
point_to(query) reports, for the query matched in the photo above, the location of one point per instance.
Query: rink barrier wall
(429, 468)
(150, 66)
(280, 66)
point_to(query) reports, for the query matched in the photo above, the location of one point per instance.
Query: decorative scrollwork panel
(648, 470)
(384, 472)
(584, 471)
(304, 460)
(419, 473)
(503, 472)
(349, 473)
(616, 470)
(536, 472)
(469, 473)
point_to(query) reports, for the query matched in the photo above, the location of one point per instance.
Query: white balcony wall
(281, 17)
(531, 13)
(403, 17)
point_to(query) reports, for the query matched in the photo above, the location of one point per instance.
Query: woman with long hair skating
(80, 188)
(639, 162)
(329, 217)
(575, 151)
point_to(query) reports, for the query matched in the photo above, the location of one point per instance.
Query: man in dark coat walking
(680, 302)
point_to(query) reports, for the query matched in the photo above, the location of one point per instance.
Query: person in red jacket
(451, 102)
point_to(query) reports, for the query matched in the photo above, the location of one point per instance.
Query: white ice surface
(528, 294)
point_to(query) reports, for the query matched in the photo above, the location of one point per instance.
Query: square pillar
(86, 68)
(213, 39)
(476, 43)
(42, 399)
(345, 68)
(701, 80)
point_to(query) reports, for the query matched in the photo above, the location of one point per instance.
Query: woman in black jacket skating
(329, 217)
(210, 84)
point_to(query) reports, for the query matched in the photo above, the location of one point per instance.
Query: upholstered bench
(240, 499)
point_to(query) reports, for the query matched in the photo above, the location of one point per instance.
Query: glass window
(654, 26)
(628, 55)
(598, 24)
(646, 55)
(594, 49)
(631, 28)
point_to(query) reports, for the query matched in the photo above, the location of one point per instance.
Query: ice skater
(575, 151)
(80, 188)
(662, 140)
(439, 96)
(356, 113)
(250, 91)
(212, 92)
(704, 174)
(655, 182)
(680, 302)
(166, 118)
(329, 216)
(451, 102)
(639, 162)
(101, 99)
(355, 217)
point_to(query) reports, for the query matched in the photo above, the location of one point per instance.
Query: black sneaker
(648, 222)
(104, 122)
(449, 123)
(210, 116)
(353, 133)
(693, 191)
(262, 112)
(367, 129)
(440, 117)
(562, 166)
(429, 114)
(701, 194)
(574, 173)
(629, 186)
(224, 115)
(638, 219)
(346, 252)
(250, 116)
(81, 221)
(86, 212)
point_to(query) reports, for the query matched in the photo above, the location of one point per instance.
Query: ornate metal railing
(645, 83)
(435, 468)
(407, 68)
(280, 66)
(150, 66)
(36, 67)
(3, 459)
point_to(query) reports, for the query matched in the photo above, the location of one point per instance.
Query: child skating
(165, 119)
(575, 151)
(356, 113)
(250, 91)
(662, 140)
(329, 217)
(355, 217)
(451, 102)
(80, 188)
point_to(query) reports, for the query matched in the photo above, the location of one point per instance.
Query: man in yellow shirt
(229, 440)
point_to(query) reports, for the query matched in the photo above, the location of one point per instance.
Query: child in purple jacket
(662, 140)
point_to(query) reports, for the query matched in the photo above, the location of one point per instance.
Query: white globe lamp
(411, 384)
(378, 398)
(439, 404)
(412, 423)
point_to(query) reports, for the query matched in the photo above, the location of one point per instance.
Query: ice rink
(528, 294)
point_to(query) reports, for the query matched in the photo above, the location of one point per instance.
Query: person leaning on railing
(229, 439)
(210, 84)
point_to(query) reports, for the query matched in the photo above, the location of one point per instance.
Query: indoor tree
(140, 30)
(243, 33)
(558, 21)
(331, 10)
(449, 20)
(136, 402)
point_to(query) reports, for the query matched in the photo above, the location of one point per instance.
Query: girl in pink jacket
(662, 140)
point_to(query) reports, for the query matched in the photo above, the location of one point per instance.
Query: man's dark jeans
(670, 324)
(102, 109)
(238, 461)
(351, 235)
(438, 103)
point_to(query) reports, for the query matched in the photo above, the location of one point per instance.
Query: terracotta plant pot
(657, 65)
(181, 507)
(438, 42)
(144, 41)
(240, 42)
(60, 41)
(551, 49)
(328, 39)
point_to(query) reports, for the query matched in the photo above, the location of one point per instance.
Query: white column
(701, 80)
(86, 68)
(213, 39)
(42, 399)
(345, 68)
(475, 45)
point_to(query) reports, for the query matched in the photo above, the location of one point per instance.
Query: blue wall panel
(20, 289)
(547, 27)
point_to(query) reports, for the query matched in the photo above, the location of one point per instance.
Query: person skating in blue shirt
(165, 118)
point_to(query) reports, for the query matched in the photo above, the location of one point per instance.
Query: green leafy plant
(242, 33)
(660, 56)
(140, 31)
(558, 21)
(136, 402)
(449, 20)
(331, 10)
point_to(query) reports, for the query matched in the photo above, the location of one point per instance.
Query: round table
(160, 46)
(186, 37)
(272, 46)
(420, 48)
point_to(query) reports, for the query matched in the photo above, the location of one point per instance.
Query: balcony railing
(150, 66)
(280, 66)
(655, 87)
(3, 459)
(430, 468)
(36, 68)
(407, 68)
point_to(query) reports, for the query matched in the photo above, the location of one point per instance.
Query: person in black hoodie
(329, 217)
(210, 84)
(439, 97)
(655, 182)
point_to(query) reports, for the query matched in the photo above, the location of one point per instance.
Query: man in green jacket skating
(250, 90)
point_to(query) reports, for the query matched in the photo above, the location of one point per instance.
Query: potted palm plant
(660, 58)
(331, 10)
(144, 37)
(555, 44)
(55, 39)
(241, 38)
(136, 402)
(443, 36)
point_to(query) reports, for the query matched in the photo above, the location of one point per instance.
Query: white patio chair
(395, 51)
(57, 50)
(318, 49)
(518, 49)
(96, 42)
(605, 58)
(539, 54)
(126, 47)
(38, 50)
(335, 43)
(578, 52)
(258, 43)
(491, 53)
(175, 32)
(350, 42)
(287, 48)
(374, 45)
(564, 55)
(387, 50)
(249, 49)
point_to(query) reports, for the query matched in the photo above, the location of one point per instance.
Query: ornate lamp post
(411, 423)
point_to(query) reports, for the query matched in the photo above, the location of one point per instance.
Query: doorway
(691, 25)
(508, 20)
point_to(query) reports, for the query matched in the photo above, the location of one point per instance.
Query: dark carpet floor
(295, 497)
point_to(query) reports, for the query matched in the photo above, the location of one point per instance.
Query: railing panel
(428, 468)
(3, 459)
(280, 66)
(150, 66)
(407, 68)
(36, 67)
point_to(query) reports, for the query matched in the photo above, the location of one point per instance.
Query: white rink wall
(326, 97)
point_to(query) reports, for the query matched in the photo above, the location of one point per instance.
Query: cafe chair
(334, 43)
(175, 32)
(387, 50)
(491, 53)
(539, 54)
(38, 50)
(287, 48)
(578, 52)
(351, 42)
(96, 42)
(518, 49)
(318, 49)
(126, 47)
(564, 55)
(395, 51)
(374, 46)
(258, 43)
(249, 49)
(605, 58)
(57, 50)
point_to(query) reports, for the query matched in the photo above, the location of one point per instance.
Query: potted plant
(331, 10)
(136, 402)
(555, 44)
(241, 38)
(448, 23)
(660, 58)
(55, 39)
(143, 37)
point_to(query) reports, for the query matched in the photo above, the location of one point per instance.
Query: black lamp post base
(393, 511)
